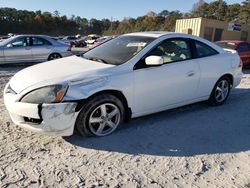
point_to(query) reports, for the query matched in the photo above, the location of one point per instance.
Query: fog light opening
(32, 120)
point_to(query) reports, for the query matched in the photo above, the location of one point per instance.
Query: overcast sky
(103, 8)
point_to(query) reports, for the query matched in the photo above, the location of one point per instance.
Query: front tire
(100, 116)
(220, 92)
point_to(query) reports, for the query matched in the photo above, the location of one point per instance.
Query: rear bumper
(237, 78)
(51, 119)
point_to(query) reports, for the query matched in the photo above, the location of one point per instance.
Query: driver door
(176, 81)
(18, 50)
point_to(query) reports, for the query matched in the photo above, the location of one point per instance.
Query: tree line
(23, 21)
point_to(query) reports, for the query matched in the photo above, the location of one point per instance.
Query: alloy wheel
(104, 119)
(54, 56)
(222, 91)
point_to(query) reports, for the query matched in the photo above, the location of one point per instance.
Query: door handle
(191, 73)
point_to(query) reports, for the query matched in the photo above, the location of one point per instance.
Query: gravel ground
(193, 146)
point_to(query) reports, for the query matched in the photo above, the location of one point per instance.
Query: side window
(173, 50)
(243, 47)
(20, 42)
(36, 41)
(203, 50)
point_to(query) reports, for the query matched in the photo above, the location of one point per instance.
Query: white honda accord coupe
(130, 76)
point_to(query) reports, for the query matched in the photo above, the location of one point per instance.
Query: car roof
(31, 35)
(47, 37)
(154, 34)
(159, 34)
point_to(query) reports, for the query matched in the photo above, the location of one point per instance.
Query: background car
(70, 40)
(102, 40)
(32, 48)
(91, 39)
(243, 49)
(81, 42)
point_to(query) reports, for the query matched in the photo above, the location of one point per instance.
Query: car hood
(57, 71)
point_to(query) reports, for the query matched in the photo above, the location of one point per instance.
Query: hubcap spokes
(222, 90)
(54, 56)
(104, 119)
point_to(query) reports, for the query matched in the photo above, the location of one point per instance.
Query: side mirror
(9, 46)
(154, 60)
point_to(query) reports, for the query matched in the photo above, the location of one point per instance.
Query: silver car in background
(32, 48)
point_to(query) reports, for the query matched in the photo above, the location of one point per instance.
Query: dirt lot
(194, 146)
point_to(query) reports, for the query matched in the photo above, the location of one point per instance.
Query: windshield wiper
(96, 59)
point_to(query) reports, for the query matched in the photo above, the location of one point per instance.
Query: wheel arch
(54, 53)
(231, 78)
(116, 93)
(211, 99)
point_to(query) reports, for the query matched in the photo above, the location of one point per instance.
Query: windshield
(228, 45)
(6, 41)
(118, 50)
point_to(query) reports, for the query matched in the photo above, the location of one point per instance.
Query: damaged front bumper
(53, 119)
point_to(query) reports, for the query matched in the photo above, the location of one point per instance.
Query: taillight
(241, 63)
(69, 49)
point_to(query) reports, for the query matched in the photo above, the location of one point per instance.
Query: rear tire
(54, 56)
(220, 92)
(100, 116)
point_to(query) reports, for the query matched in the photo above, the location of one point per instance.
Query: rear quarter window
(37, 41)
(203, 50)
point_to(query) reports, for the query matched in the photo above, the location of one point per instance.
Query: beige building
(213, 30)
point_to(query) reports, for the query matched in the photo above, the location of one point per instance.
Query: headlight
(48, 94)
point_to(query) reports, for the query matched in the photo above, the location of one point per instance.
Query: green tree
(170, 21)
(244, 16)
(164, 13)
(233, 12)
(197, 5)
